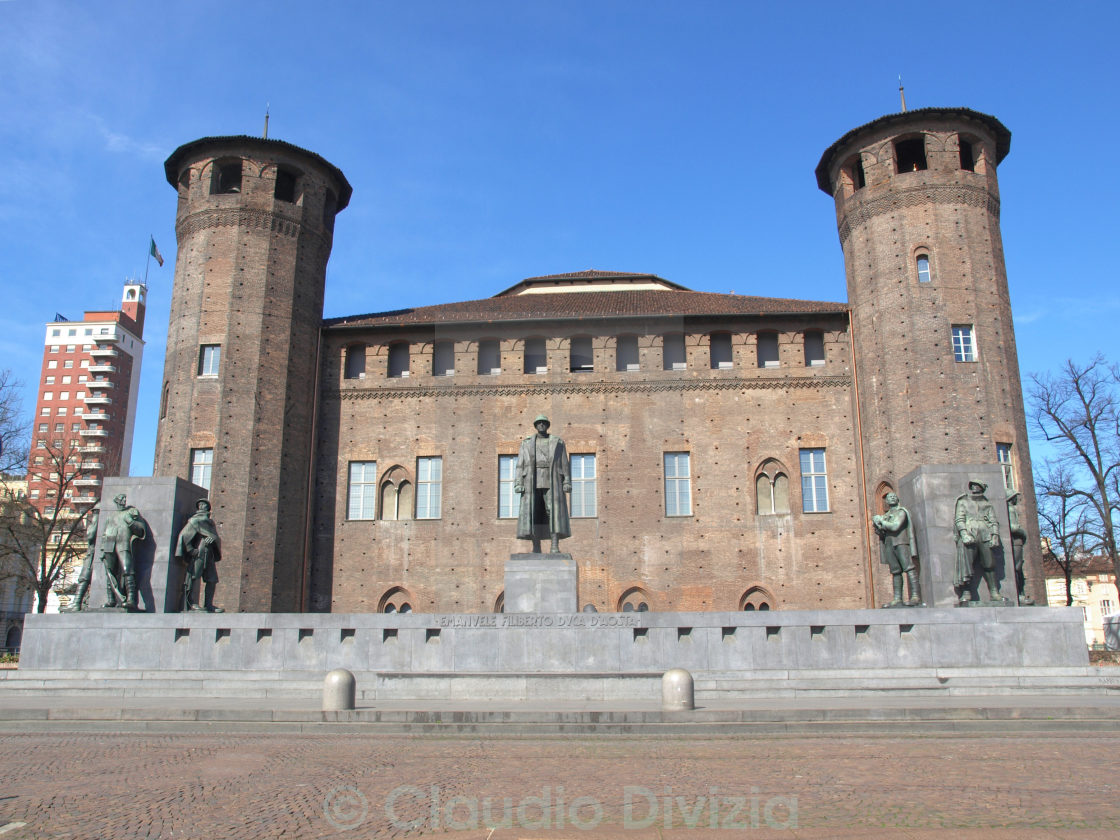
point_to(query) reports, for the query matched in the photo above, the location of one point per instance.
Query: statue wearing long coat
(555, 499)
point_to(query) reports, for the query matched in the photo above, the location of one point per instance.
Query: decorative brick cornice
(570, 388)
(244, 217)
(860, 212)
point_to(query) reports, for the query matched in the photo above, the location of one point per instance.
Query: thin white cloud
(121, 143)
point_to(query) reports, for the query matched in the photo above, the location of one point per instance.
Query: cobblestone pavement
(351, 786)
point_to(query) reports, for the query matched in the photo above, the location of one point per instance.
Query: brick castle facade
(728, 451)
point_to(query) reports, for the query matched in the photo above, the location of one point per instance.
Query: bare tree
(1063, 518)
(1078, 412)
(40, 538)
(13, 427)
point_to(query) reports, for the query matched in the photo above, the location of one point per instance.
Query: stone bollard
(339, 689)
(676, 691)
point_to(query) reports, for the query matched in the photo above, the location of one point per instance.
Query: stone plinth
(541, 583)
(930, 494)
(166, 504)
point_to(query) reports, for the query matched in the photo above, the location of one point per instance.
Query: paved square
(58, 785)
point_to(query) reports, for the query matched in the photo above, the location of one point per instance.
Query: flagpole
(148, 262)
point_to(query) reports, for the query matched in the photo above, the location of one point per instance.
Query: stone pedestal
(541, 583)
(930, 494)
(166, 504)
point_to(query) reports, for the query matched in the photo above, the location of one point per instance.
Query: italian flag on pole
(155, 252)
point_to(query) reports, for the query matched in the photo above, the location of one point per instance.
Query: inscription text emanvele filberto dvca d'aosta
(499, 620)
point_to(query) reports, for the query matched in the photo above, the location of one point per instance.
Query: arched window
(500, 603)
(164, 400)
(634, 599)
(967, 153)
(756, 598)
(226, 177)
(396, 599)
(772, 488)
(354, 362)
(910, 154)
(286, 180)
(398, 360)
(720, 351)
(925, 275)
(396, 494)
(626, 353)
(853, 171)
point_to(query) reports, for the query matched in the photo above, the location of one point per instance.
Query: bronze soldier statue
(200, 548)
(543, 480)
(1018, 540)
(897, 550)
(86, 573)
(125, 525)
(977, 534)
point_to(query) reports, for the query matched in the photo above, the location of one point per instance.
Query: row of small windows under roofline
(227, 178)
(910, 156)
(581, 357)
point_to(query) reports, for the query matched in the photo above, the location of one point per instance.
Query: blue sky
(491, 141)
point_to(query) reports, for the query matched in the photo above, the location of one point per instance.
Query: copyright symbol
(345, 807)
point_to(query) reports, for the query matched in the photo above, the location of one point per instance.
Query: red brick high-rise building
(86, 408)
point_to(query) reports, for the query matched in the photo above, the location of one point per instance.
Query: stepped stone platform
(615, 659)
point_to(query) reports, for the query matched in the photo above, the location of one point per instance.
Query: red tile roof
(607, 304)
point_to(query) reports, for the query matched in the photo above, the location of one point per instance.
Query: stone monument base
(541, 583)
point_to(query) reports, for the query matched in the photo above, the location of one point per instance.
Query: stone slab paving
(106, 785)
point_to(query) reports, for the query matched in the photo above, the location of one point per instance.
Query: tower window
(361, 493)
(856, 175)
(429, 483)
(672, 352)
(1003, 453)
(489, 357)
(720, 351)
(814, 348)
(910, 154)
(226, 178)
(584, 481)
(209, 359)
(964, 343)
(768, 350)
(582, 359)
(626, 353)
(968, 155)
(202, 462)
(285, 185)
(678, 484)
(443, 358)
(814, 481)
(536, 360)
(509, 502)
(354, 364)
(924, 274)
(398, 360)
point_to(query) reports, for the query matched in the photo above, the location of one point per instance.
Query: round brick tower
(917, 207)
(254, 228)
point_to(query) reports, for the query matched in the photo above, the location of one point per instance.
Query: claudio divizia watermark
(412, 808)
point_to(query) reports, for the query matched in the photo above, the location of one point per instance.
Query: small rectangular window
(1003, 453)
(583, 487)
(52, 364)
(429, 481)
(720, 350)
(768, 350)
(489, 357)
(399, 360)
(509, 502)
(910, 154)
(964, 344)
(209, 359)
(443, 358)
(202, 462)
(673, 355)
(226, 178)
(582, 359)
(362, 490)
(354, 362)
(285, 186)
(814, 348)
(536, 360)
(814, 481)
(626, 353)
(968, 155)
(678, 484)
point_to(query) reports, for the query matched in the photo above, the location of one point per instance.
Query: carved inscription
(528, 620)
